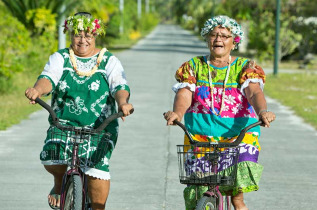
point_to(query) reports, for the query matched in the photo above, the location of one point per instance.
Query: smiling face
(220, 42)
(83, 44)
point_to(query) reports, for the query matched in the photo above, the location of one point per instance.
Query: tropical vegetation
(31, 28)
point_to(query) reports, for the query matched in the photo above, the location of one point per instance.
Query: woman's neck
(219, 61)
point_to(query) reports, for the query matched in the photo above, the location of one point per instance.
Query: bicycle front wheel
(206, 203)
(73, 193)
(226, 203)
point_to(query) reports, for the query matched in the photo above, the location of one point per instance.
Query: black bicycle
(83, 147)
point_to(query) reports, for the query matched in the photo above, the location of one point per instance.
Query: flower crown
(79, 23)
(223, 21)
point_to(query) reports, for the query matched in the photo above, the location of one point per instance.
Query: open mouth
(216, 46)
(82, 45)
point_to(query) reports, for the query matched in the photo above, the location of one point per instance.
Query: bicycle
(74, 194)
(198, 165)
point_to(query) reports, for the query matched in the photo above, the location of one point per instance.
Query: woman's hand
(267, 117)
(126, 108)
(32, 94)
(42, 87)
(170, 117)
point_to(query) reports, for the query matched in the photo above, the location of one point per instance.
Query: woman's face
(220, 42)
(83, 44)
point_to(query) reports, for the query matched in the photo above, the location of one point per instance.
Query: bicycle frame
(74, 170)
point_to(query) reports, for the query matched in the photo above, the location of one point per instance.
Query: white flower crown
(223, 21)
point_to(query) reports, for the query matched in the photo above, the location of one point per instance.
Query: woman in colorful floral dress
(219, 95)
(86, 83)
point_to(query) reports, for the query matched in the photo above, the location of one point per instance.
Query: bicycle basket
(207, 165)
(92, 148)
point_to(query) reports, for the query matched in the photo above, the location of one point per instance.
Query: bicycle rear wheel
(73, 193)
(206, 203)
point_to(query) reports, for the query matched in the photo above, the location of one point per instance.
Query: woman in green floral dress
(86, 83)
(219, 95)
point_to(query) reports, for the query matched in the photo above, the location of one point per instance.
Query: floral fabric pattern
(252, 71)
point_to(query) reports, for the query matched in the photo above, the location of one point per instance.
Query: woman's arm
(182, 102)
(256, 98)
(41, 87)
(122, 99)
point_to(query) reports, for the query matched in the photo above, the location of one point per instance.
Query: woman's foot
(54, 199)
(58, 172)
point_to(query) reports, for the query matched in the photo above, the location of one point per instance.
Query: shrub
(262, 36)
(42, 21)
(12, 49)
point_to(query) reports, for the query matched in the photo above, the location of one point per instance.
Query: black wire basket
(207, 165)
(92, 148)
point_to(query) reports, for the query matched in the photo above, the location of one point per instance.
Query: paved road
(144, 166)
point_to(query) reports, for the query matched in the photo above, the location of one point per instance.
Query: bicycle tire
(206, 203)
(73, 193)
(226, 204)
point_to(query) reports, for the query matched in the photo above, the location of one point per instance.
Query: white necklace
(93, 70)
(212, 87)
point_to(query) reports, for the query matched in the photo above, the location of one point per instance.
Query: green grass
(297, 91)
(15, 106)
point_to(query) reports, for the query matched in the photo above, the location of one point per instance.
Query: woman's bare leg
(58, 172)
(238, 203)
(98, 190)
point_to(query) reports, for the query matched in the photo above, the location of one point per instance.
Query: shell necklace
(93, 70)
(212, 87)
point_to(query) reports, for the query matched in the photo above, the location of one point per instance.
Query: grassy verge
(15, 106)
(296, 91)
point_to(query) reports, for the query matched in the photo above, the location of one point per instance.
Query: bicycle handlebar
(58, 125)
(220, 144)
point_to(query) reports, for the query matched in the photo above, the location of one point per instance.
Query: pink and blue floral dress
(237, 113)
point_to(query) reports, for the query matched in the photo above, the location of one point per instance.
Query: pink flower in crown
(65, 25)
(237, 39)
(97, 26)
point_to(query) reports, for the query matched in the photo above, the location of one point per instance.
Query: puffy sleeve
(116, 76)
(253, 73)
(185, 77)
(53, 69)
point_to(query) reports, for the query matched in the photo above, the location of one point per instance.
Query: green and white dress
(84, 101)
